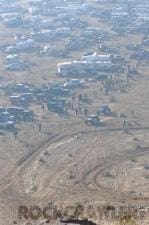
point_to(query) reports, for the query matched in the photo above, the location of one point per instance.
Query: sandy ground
(69, 162)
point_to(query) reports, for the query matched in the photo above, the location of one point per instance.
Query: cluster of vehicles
(95, 120)
(49, 24)
(56, 97)
(12, 115)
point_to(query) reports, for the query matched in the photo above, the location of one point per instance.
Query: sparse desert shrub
(146, 167)
(71, 176)
(46, 153)
(123, 115)
(146, 176)
(138, 146)
(126, 130)
(41, 160)
(112, 99)
(78, 210)
(136, 139)
(76, 182)
(27, 145)
(127, 220)
(110, 207)
(44, 78)
(134, 160)
(108, 174)
(122, 90)
(44, 117)
(70, 155)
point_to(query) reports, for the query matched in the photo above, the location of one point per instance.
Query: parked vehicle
(104, 110)
(57, 106)
(7, 125)
(74, 83)
(17, 66)
(60, 91)
(92, 120)
(28, 116)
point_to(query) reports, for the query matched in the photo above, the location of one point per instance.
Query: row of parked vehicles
(12, 115)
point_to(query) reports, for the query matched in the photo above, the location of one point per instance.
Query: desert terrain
(68, 162)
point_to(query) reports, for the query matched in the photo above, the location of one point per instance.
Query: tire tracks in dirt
(108, 164)
(27, 159)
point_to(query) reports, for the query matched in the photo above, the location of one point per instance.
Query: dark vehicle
(59, 91)
(17, 67)
(28, 116)
(141, 55)
(5, 116)
(57, 106)
(133, 47)
(146, 42)
(14, 21)
(20, 101)
(27, 96)
(74, 83)
(6, 120)
(21, 88)
(16, 112)
(105, 110)
(101, 77)
(7, 125)
(93, 120)
(2, 109)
